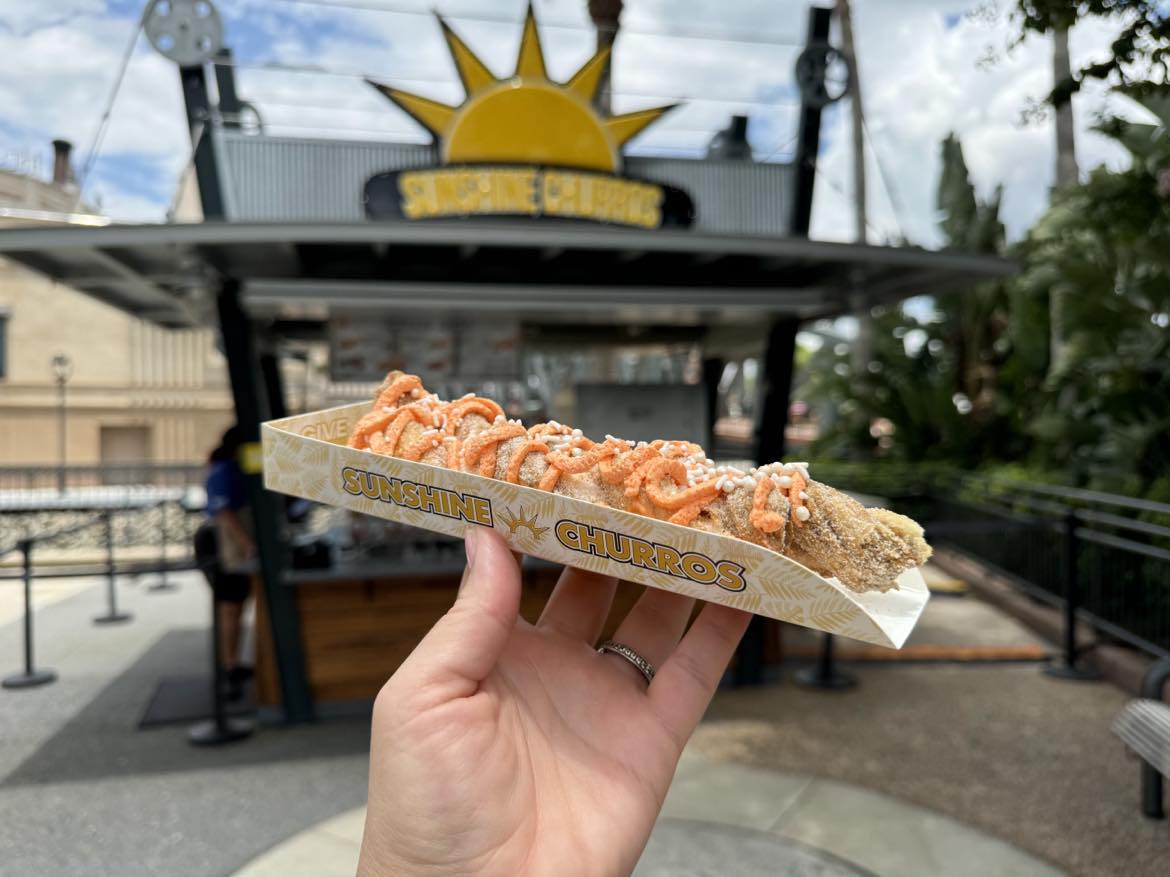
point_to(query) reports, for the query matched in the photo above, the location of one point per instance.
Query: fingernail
(470, 537)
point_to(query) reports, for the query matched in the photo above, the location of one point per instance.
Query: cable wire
(734, 37)
(887, 180)
(103, 123)
(308, 69)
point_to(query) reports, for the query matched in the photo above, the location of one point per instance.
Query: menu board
(365, 347)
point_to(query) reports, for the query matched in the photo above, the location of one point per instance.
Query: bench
(1144, 726)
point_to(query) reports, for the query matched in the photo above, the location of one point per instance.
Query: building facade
(134, 392)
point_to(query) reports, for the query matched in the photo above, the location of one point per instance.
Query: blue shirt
(225, 487)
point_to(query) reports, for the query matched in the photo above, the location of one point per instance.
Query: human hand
(501, 747)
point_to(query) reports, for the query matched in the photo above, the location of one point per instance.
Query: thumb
(466, 643)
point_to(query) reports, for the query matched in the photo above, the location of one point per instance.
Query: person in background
(224, 546)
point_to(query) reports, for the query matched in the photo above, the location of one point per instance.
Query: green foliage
(1140, 51)
(973, 386)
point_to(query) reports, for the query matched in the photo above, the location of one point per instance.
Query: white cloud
(921, 81)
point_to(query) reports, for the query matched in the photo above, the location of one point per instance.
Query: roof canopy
(545, 272)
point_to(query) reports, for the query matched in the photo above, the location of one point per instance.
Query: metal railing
(30, 676)
(46, 477)
(1104, 558)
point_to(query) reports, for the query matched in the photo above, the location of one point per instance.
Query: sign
(525, 146)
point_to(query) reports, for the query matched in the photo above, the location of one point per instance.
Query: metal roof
(288, 179)
(543, 271)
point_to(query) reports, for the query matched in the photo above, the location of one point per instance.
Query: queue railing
(30, 676)
(1103, 559)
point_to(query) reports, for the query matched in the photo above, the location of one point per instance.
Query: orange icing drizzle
(398, 388)
(764, 519)
(481, 447)
(529, 447)
(642, 470)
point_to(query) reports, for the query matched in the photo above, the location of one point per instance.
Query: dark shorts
(225, 587)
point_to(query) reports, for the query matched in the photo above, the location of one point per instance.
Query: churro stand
(557, 275)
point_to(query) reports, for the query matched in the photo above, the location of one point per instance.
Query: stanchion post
(112, 616)
(163, 583)
(30, 678)
(825, 674)
(1068, 665)
(220, 728)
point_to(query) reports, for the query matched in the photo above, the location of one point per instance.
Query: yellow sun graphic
(525, 118)
(517, 520)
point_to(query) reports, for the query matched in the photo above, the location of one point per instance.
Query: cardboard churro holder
(306, 456)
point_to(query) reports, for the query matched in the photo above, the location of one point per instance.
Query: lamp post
(62, 367)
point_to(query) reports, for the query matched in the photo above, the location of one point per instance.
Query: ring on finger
(644, 667)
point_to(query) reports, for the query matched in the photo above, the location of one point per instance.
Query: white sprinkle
(499, 418)
(415, 393)
(577, 433)
(554, 424)
(435, 443)
(577, 452)
(802, 514)
(435, 419)
(783, 481)
(803, 495)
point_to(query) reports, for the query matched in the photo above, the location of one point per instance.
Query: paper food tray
(306, 456)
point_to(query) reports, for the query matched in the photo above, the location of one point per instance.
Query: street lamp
(62, 367)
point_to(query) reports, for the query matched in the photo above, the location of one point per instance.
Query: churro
(777, 506)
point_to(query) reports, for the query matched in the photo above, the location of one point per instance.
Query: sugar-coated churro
(778, 506)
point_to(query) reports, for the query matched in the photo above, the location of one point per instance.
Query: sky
(928, 67)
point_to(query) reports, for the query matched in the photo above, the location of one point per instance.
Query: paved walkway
(930, 767)
(722, 819)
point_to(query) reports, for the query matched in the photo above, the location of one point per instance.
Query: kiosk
(525, 213)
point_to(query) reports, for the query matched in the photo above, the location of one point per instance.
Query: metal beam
(239, 348)
(808, 137)
(631, 243)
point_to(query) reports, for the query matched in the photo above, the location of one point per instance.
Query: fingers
(684, 685)
(465, 644)
(653, 627)
(579, 604)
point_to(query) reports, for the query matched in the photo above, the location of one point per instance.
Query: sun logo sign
(525, 146)
(517, 520)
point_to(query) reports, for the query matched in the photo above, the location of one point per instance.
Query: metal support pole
(200, 120)
(808, 137)
(163, 583)
(1152, 685)
(112, 616)
(1069, 665)
(30, 678)
(60, 435)
(712, 373)
(284, 621)
(220, 728)
(825, 674)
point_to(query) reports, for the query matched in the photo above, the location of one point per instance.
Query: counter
(360, 619)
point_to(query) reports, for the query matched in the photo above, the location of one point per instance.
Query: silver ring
(644, 666)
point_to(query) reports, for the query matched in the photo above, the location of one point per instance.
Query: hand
(499, 747)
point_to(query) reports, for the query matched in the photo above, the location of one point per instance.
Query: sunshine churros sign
(524, 145)
(307, 456)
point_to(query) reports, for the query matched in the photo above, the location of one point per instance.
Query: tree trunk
(1066, 175)
(862, 350)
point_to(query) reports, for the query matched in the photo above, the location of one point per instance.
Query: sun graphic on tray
(525, 118)
(516, 520)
